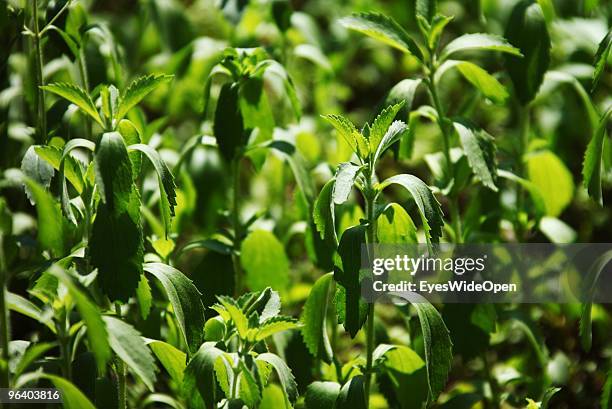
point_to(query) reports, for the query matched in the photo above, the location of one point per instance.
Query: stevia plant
(389, 223)
(148, 218)
(477, 148)
(232, 368)
(243, 126)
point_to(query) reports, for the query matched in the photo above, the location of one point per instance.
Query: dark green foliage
(526, 30)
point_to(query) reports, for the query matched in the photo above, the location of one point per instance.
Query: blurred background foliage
(333, 71)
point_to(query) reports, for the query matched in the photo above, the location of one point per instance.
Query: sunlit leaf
(77, 96)
(263, 258)
(384, 29)
(314, 317)
(137, 90)
(185, 299)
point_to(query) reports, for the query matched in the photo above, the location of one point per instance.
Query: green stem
(5, 334)
(446, 135)
(41, 125)
(495, 399)
(66, 354)
(236, 225)
(370, 203)
(82, 64)
(523, 117)
(121, 371)
(234, 390)
(456, 218)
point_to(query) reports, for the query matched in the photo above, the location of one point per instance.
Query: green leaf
(297, 165)
(592, 164)
(314, 317)
(429, 208)
(276, 69)
(273, 397)
(553, 179)
(393, 134)
(601, 59)
(407, 374)
(351, 135)
(114, 172)
(323, 215)
(352, 310)
(481, 79)
(68, 168)
(36, 169)
(171, 358)
(25, 307)
(116, 244)
(384, 29)
(438, 24)
(263, 258)
(110, 100)
(137, 90)
(352, 395)
(235, 314)
(31, 355)
(228, 124)
(345, 178)
(248, 388)
(199, 385)
(130, 347)
(557, 231)
(548, 9)
(72, 397)
(548, 394)
(589, 287)
(77, 96)
(322, 395)
(527, 31)
(144, 297)
(284, 375)
(224, 373)
(131, 136)
(479, 148)
(167, 187)
(534, 191)
(313, 54)
(436, 341)
(554, 79)
(256, 114)
(72, 169)
(404, 90)
(395, 226)
(185, 299)
(50, 219)
(479, 41)
(275, 325)
(97, 333)
(381, 124)
(426, 8)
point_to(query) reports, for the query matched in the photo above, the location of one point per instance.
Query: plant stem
(85, 83)
(234, 390)
(236, 226)
(121, 371)
(41, 126)
(492, 383)
(442, 124)
(66, 354)
(370, 203)
(523, 117)
(5, 334)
